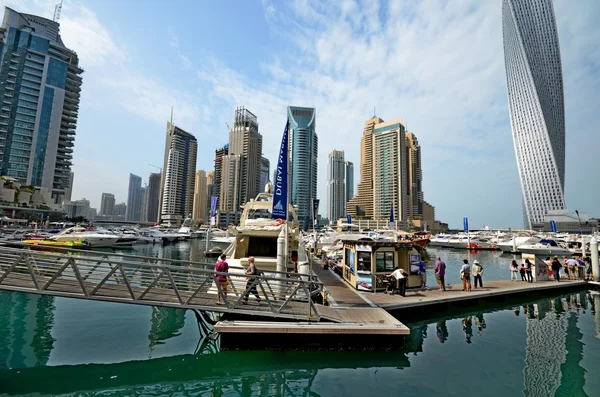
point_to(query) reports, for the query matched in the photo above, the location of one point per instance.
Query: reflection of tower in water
(165, 324)
(553, 348)
(25, 324)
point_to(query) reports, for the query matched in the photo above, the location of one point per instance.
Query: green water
(58, 346)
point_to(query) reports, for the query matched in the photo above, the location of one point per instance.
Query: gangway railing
(157, 282)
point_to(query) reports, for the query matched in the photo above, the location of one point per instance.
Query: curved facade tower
(536, 104)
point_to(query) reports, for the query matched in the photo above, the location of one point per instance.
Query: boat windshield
(551, 243)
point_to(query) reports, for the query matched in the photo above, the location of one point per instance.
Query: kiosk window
(384, 261)
(347, 256)
(364, 261)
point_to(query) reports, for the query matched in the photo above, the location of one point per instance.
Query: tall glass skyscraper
(336, 186)
(40, 82)
(304, 145)
(536, 104)
(134, 198)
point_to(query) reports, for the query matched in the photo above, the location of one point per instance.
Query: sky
(438, 65)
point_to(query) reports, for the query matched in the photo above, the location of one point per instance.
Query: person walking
(440, 273)
(572, 265)
(423, 273)
(528, 267)
(555, 264)
(523, 272)
(477, 273)
(251, 270)
(514, 270)
(465, 275)
(222, 279)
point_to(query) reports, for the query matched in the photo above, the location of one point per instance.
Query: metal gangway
(155, 281)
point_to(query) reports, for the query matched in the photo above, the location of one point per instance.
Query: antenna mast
(57, 9)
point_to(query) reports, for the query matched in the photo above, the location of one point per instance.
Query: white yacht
(94, 239)
(258, 232)
(512, 244)
(547, 247)
(186, 231)
(439, 241)
(457, 241)
(153, 235)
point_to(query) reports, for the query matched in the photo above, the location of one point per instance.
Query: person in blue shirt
(423, 272)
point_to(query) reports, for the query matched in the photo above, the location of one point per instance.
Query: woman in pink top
(222, 267)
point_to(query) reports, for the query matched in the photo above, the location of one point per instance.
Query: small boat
(77, 244)
(213, 252)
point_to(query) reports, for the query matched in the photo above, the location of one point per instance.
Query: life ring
(279, 221)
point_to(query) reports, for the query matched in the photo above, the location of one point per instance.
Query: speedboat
(512, 244)
(94, 239)
(548, 247)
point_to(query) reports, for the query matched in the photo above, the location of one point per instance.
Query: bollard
(281, 257)
(595, 265)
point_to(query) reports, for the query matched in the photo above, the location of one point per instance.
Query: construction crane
(57, 9)
(228, 127)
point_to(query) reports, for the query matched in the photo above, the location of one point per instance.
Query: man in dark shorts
(440, 273)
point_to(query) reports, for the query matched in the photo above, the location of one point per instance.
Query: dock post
(595, 265)
(281, 257)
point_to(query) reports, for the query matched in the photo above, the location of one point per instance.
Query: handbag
(461, 275)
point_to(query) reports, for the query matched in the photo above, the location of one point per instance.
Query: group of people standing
(465, 274)
(525, 270)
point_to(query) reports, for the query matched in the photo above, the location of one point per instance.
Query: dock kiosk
(366, 262)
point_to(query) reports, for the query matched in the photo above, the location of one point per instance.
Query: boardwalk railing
(157, 282)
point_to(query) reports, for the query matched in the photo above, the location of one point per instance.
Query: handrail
(121, 279)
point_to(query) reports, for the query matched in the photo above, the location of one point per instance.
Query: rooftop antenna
(171, 114)
(57, 9)
(374, 112)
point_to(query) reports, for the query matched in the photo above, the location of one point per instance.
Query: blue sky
(438, 65)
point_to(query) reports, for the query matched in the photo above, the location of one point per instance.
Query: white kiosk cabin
(366, 262)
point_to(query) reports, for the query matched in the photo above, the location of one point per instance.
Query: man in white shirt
(400, 276)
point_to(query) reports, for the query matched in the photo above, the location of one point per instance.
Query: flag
(349, 221)
(392, 215)
(466, 224)
(213, 209)
(280, 193)
(553, 226)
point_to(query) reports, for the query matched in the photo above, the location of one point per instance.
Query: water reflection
(541, 353)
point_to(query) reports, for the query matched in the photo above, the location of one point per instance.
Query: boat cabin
(366, 263)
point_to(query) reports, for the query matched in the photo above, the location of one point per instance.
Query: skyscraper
(120, 209)
(210, 190)
(389, 171)
(134, 198)
(241, 168)
(361, 205)
(143, 203)
(414, 177)
(177, 183)
(40, 82)
(349, 181)
(304, 145)
(265, 170)
(336, 187)
(200, 196)
(219, 154)
(153, 197)
(107, 204)
(536, 104)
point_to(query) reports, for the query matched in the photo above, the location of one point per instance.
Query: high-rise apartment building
(144, 203)
(361, 205)
(177, 184)
(40, 83)
(107, 204)
(69, 188)
(200, 197)
(414, 178)
(389, 171)
(265, 170)
(218, 173)
(241, 168)
(349, 180)
(536, 104)
(210, 191)
(134, 198)
(304, 145)
(336, 186)
(120, 209)
(152, 197)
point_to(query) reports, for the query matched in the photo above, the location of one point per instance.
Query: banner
(553, 226)
(466, 224)
(349, 221)
(213, 209)
(315, 211)
(280, 185)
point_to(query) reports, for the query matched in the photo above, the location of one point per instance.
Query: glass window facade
(42, 139)
(57, 73)
(39, 44)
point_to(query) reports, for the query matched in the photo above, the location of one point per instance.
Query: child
(522, 271)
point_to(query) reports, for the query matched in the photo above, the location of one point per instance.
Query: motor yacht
(153, 235)
(439, 241)
(512, 244)
(548, 247)
(94, 239)
(186, 231)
